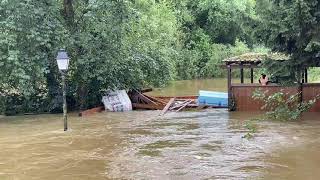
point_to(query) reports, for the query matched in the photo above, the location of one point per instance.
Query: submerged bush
(279, 106)
(2, 103)
(282, 106)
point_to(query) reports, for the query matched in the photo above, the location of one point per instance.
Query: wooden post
(229, 87)
(251, 72)
(306, 75)
(301, 92)
(301, 80)
(241, 74)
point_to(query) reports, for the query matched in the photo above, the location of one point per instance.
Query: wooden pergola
(252, 61)
(239, 92)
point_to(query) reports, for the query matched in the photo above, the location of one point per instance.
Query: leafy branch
(279, 106)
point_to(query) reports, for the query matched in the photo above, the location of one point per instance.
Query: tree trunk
(68, 12)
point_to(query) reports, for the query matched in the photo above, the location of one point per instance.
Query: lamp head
(63, 60)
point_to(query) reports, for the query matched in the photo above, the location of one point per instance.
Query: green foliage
(260, 49)
(213, 31)
(251, 125)
(217, 53)
(314, 74)
(282, 106)
(226, 20)
(282, 72)
(279, 106)
(2, 104)
(205, 60)
(114, 45)
(291, 27)
(151, 43)
(29, 33)
(186, 65)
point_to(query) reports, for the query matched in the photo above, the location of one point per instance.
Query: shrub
(282, 106)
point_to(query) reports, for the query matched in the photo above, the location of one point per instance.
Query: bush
(2, 105)
(314, 74)
(186, 66)
(203, 59)
(281, 106)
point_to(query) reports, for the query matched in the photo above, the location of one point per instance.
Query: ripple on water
(142, 145)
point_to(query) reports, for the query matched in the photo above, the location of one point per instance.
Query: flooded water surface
(192, 87)
(144, 145)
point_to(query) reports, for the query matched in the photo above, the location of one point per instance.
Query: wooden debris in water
(147, 106)
(166, 108)
(178, 104)
(91, 111)
(146, 99)
(164, 103)
(184, 105)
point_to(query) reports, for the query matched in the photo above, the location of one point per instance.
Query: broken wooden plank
(91, 111)
(184, 105)
(147, 106)
(146, 99)
(177, 105)
(166, 108)
(177, 97)
(146, 90)
(156, 99)
(192, 106)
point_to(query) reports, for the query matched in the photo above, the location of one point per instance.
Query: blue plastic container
(219, 99)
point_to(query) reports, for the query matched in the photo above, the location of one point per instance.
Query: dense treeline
(128, 44)
(291, 27)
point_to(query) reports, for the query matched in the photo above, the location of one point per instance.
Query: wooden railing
(242, 94)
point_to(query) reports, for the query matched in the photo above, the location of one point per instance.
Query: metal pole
(64, 101)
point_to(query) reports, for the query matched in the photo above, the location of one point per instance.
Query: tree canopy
(291, 27)
(121, 44)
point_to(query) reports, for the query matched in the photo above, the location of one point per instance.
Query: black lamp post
(63, 64)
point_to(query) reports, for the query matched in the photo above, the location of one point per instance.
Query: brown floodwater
(192, 87)
(144, 145)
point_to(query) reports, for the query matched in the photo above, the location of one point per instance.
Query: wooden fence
(242, 94)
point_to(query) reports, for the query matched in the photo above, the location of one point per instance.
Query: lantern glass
(63, 60)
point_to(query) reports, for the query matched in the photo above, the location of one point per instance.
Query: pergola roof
(256, 58)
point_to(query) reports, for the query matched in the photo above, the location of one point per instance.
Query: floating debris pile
(140, 100)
